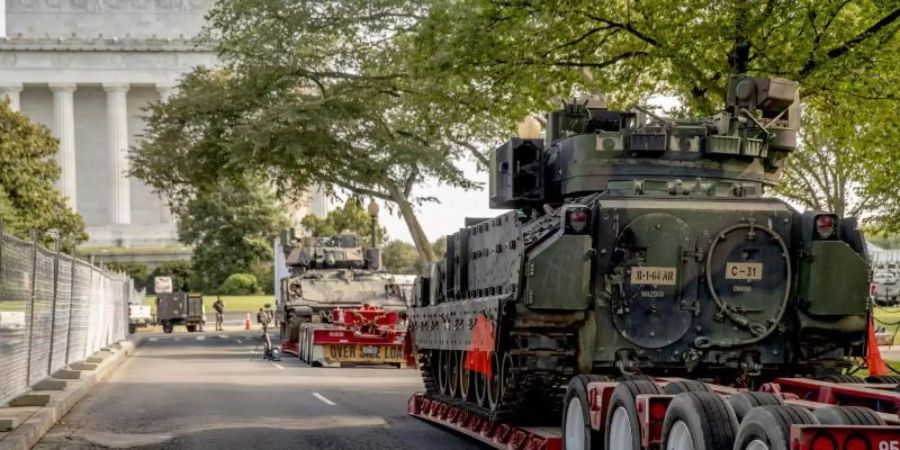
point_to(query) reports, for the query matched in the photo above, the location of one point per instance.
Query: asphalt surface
(209, 391)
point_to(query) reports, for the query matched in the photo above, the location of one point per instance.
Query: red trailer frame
(652, 408)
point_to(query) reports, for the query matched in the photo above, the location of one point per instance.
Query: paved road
(179, 392)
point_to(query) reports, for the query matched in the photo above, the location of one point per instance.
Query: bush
(139, 272)
(265, 275)
(240, 284)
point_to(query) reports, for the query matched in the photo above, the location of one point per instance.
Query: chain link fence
(54, 310)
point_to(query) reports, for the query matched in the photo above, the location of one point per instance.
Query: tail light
(824, 442)
(826, 225)
(857, 442)
(578, 219)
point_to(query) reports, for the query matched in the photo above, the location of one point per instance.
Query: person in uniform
(219, 306)
(264, 319)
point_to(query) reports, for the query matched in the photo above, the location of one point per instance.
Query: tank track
(530, 394)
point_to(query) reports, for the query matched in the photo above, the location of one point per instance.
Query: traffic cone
(877, 367)
(247, 322)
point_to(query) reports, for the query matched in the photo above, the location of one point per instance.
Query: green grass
(233, 303)
(889, 318)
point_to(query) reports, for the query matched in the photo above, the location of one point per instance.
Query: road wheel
(495, 382)
(743, 402)
(453, 373)
(677, 387)
(847, 415)
(769, 427)
(443, 359)
(466, 379)
(623, 428)
(699, 420)
(481, 390)
(576, 421)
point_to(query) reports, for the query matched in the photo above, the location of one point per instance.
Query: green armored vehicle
(642, 245)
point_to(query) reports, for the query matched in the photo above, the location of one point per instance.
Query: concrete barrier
(22, 427)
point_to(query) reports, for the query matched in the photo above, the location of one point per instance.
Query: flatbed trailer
(677, 414)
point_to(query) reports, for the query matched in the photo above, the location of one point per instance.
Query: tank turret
(589, 148)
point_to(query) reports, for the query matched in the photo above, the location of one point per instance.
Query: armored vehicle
(642, 245)
(328, 273)
(180, 308)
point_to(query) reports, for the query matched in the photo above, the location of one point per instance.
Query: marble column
(64, 129)
(12, 91)
(117, 140)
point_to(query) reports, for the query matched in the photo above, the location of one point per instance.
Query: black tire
(466, 379)
(743, 402)
(453, 374)
(132, 328)
(624, 396)
(168, 327)
(842, 379)
(883, 379)
(591, 378)
(707, 416)
(191, 328)
(639, 377)
(847, 415)
(577, 391)
(772, 426)
(677, 387)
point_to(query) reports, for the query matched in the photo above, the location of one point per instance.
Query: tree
(310, 91)
(400, 257)
(231, 226)
(28, 198)
(180, 271)
(351, 217)
(140, 273)
(519, 55)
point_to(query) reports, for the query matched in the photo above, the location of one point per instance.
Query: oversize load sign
(363, 353)
(743, 271)
(660, 276)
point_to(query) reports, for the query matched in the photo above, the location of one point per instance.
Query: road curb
(34, 422)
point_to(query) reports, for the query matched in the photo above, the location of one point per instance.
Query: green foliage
(264, 272)
(139, 272)
(400, 257)
(439, 247)
(181, 272)
(28, 198)
(352, 217)
(240, 284)
(518, 56)
(231, 226)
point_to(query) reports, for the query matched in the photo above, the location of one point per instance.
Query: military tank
(640, 245)
(328, 273)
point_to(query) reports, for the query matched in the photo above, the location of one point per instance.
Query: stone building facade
(86, 69)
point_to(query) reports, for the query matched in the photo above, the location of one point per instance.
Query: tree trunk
(426, 253)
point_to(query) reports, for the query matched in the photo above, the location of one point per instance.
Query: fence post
(53, 307)
(34, 253)
(71, 307)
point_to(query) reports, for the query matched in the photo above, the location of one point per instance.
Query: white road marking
(238, 341)
(279, 366)
(223, 336)
(154, 339)
(323, 399)
(177, 339)
(201, 338)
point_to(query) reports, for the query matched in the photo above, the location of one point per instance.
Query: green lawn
(233, 303)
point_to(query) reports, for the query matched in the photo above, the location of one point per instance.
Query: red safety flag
(478, 356)
(877, 367)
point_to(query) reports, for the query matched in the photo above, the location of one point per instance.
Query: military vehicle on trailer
(641, 245)
(330, 272)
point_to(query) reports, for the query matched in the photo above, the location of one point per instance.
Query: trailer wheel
(842, 379)
(191, 328)
(883, 379)
(623, 428)
(769, 427)
(167, 327)
(576, 420)
(132, 328)
(699, 420)
(453, 373)
(677, 387)
(743, 402)
(639, 377)
(847, 415)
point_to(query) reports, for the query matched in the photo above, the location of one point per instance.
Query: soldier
(219, 306)
(270, 312)
(264, 319)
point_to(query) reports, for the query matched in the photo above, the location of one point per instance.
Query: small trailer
(139, 316)
(845, 413)
(180, 308)
(367, 335)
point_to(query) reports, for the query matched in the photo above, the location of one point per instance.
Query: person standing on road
(270, 312)
(264, 319)
(219, 306)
